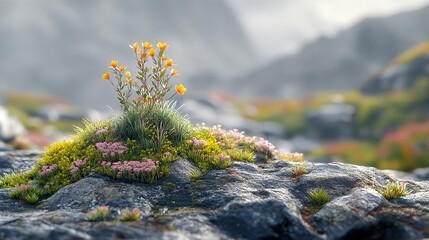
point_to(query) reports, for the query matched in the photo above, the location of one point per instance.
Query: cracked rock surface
(245, 201)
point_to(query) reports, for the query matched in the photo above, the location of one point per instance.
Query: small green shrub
(27, 193)
(394, 190)
(31, 198)
(130, 215)
(299, 170)
(318, 197)
(100, 213)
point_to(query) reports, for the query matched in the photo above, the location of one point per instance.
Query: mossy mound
(137, 146)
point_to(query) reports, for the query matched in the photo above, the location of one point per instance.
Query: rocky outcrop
(397, 77)
(245, 201)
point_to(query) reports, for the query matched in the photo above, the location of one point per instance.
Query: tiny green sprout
(299, 170)
(130, 215)
(394, 190)
(318, 197)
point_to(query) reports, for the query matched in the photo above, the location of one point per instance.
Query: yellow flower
(114, 63)
(174, 72)
(151, 52)
(128, 80)
(128, 74)
(163, 57)
(147, 45)
(180, 89)
(136, 47)
(169, 63)
(106, 75)
(162, 46)
(122, 68)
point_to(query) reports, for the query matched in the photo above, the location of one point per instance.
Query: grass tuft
(299, 170)
(394, 190)
(318, 197)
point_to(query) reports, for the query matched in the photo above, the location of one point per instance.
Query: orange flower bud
(162, 46)
(163, 57)
(174, 72)
(143, 55)
(128, 74)
(114, 63)
(106, 75)
(122, 68)
(147, 45)
(180, 89)
(169, 63)
(151, 52)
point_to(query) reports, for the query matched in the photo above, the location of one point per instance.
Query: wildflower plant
(152, 83)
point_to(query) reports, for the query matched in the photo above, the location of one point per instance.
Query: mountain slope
(342, 62)
(62, 47)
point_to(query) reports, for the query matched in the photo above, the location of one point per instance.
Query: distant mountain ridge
(62, 47)
(340, 63)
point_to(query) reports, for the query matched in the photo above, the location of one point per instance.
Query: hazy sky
(287, 24)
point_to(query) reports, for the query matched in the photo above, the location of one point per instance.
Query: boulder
(245, 201)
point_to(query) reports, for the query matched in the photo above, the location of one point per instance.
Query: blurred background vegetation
(350, 83)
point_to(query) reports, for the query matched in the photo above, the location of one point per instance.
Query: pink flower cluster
(131, 169)
(23, 187)
(223, 157)
(74, 168)
(46, 170)
(199, 144)
(111, 148)
(102, 131)
(294, 157)
(231, 135)
(263, 146)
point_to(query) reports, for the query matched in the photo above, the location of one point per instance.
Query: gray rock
(10, 127)
(93, 191)
(180, 172)
(4, 147)
(338, 217)
(15, 161)
(245, 201)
